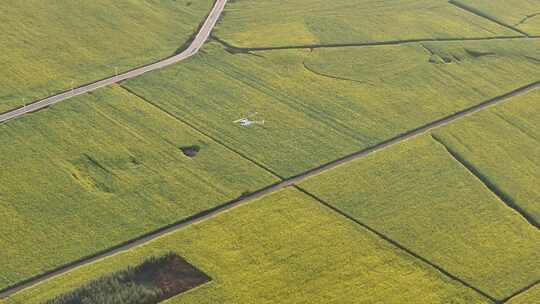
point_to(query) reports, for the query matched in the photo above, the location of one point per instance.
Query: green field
(268, 23)
(522, 14)
(47, 45)
(457, 208)
(98, 170)
(284, 248)
(418, 195)
(503, 143)
(323, 104)
(530, 296)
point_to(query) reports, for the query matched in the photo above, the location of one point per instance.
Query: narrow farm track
(235, 49)
(265, 191)
(196, 44)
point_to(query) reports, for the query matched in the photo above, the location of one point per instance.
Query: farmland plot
(101, 169)
(503, 145)
(323, 104)
(283, 248)
(530, 296)
(268, 23)
(418, 195)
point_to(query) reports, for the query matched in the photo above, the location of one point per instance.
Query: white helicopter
(245, 121)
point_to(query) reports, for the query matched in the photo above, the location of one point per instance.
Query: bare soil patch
(153, 281)
(191, 151)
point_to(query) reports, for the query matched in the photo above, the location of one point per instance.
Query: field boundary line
(198, 40)
(521, 291)
(499, 193)
(396, 244)
(479, 13)
(235, 49)
(145, 238)
(196, 129)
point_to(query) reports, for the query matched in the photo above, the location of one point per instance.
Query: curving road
(193, 48)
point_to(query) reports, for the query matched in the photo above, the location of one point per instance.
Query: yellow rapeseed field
(283, 248)
(417, 194)
(51, 46)
(101, 169)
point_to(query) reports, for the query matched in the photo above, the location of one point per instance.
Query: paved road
(262, 192)
(194, 47)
